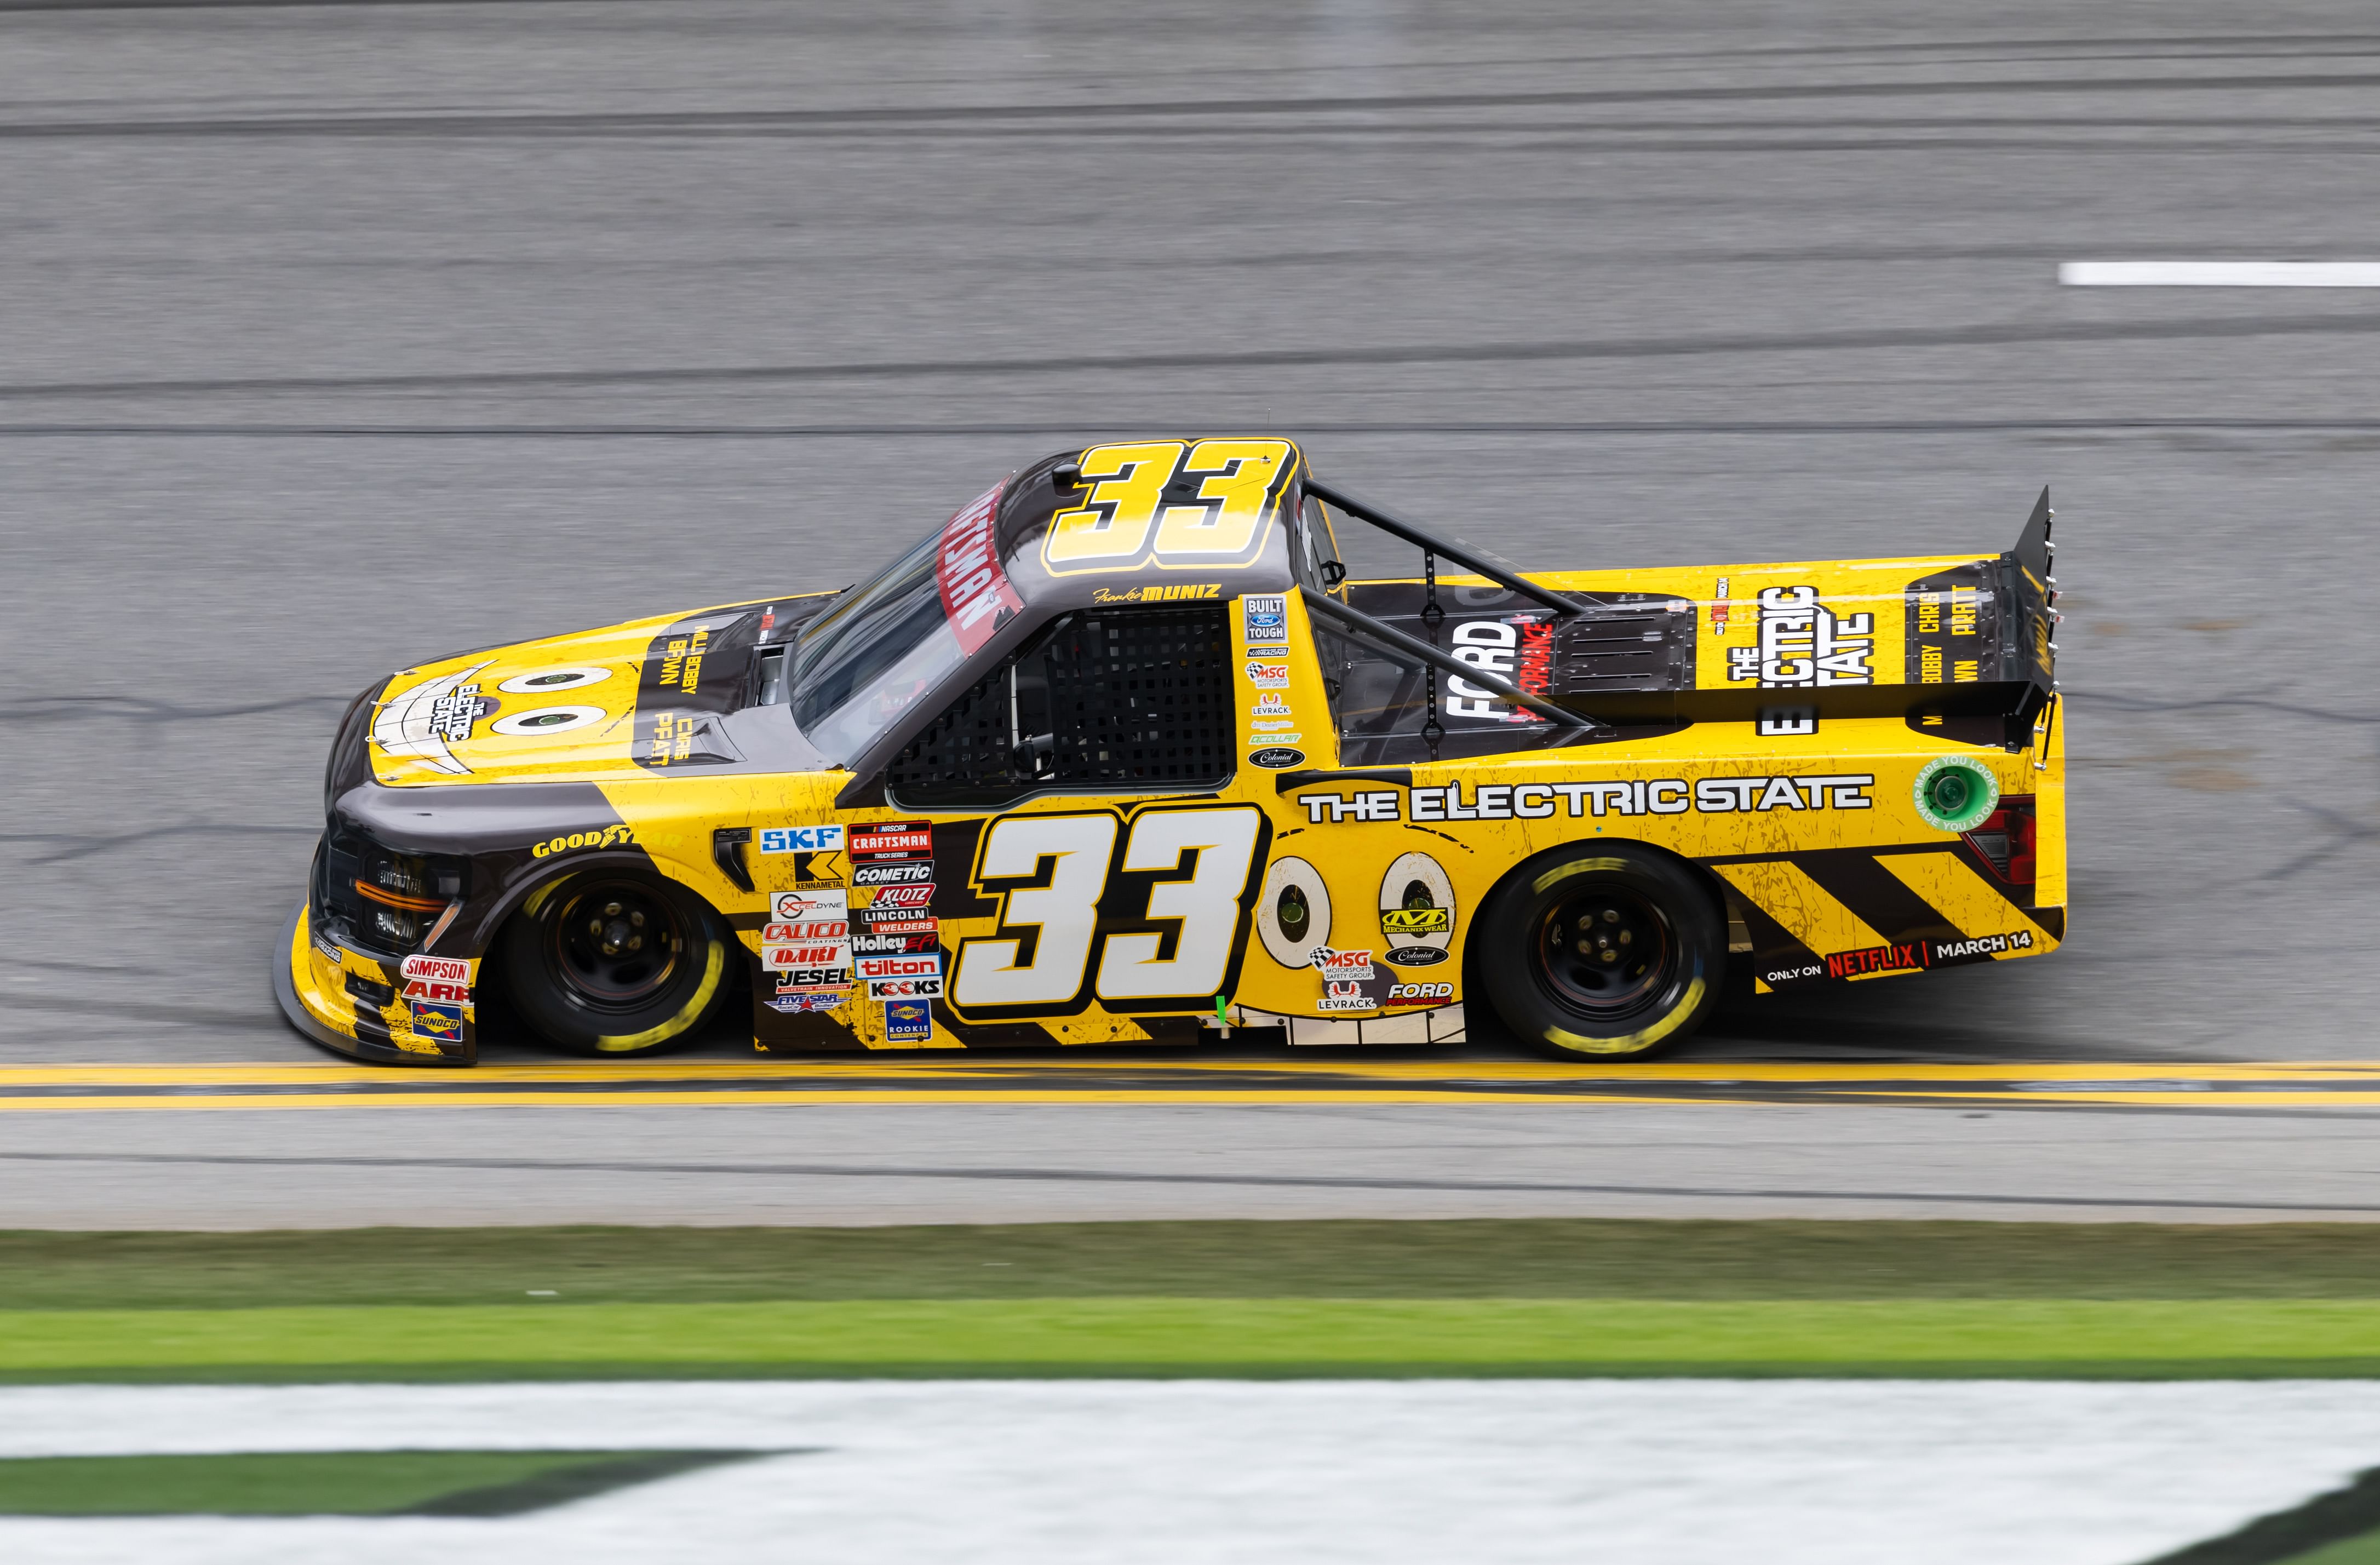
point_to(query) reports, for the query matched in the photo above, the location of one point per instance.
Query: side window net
(1120, 700)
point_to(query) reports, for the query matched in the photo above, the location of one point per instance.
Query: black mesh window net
(1119, 699)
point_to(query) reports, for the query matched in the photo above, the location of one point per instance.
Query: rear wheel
(615, 963)
(1602, 950)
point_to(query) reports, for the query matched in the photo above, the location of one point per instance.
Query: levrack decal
(977, 594)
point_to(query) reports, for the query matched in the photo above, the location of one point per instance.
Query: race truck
(1120, 754)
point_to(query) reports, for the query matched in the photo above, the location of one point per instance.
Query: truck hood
(642, 698)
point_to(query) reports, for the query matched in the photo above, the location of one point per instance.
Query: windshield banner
(974, 587)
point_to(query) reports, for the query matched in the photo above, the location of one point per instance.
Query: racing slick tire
(1602, 950)
(613, 962)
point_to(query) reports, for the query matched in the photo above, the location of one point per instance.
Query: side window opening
(1122, 700)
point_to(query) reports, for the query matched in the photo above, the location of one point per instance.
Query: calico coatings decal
(1766, 723)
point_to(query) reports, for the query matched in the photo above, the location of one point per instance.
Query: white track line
(2220, 273)
(1295, 1473)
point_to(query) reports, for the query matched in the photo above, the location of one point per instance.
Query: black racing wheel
(613, 962)
(1602, 949)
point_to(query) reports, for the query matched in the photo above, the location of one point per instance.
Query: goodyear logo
(610, 836)
(1414, 920)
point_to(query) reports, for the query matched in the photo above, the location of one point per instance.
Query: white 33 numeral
(1220, 844)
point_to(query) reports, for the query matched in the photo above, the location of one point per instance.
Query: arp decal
(1802, 642)
(1416, 911)
(604, 837)
(1206, 507)
(1145, 916)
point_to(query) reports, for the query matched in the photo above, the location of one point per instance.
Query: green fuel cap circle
(1955, 794)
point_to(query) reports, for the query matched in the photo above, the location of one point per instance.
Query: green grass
(1554, 1297)
(1478, 1259)
(1189, 1336)
(384, 1483)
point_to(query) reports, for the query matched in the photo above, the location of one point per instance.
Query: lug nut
(612, 910)
(1611, 915)
(638, 919)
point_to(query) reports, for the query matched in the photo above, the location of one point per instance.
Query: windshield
(862, 663)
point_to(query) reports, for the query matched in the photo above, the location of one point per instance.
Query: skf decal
(800, 838)
(1803, 643)
(608, 837)
(977, 594)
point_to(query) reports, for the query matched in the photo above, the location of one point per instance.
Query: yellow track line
(787, 1098)
(941, 1066)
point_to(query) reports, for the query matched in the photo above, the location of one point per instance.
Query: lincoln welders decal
(1805, 643)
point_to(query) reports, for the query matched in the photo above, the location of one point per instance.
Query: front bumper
(317, 989)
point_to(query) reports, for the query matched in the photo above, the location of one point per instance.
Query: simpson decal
(441, 969)
(1803, 643)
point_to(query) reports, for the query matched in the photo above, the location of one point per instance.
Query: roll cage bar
(1389, 637)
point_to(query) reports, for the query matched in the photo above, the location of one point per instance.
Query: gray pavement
(333, 336)
(1002, 1163)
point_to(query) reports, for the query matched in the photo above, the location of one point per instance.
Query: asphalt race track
(337, 336)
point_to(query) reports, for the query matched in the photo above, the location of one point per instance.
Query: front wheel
(1605, 950)
(615, 963)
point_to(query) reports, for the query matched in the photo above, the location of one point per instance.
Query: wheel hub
(1605, 950)
(616, 945)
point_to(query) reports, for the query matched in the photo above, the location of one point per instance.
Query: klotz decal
(908, 1021)
(444, 1023)
(800, 838)
(1803, 643)
(889, 897)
